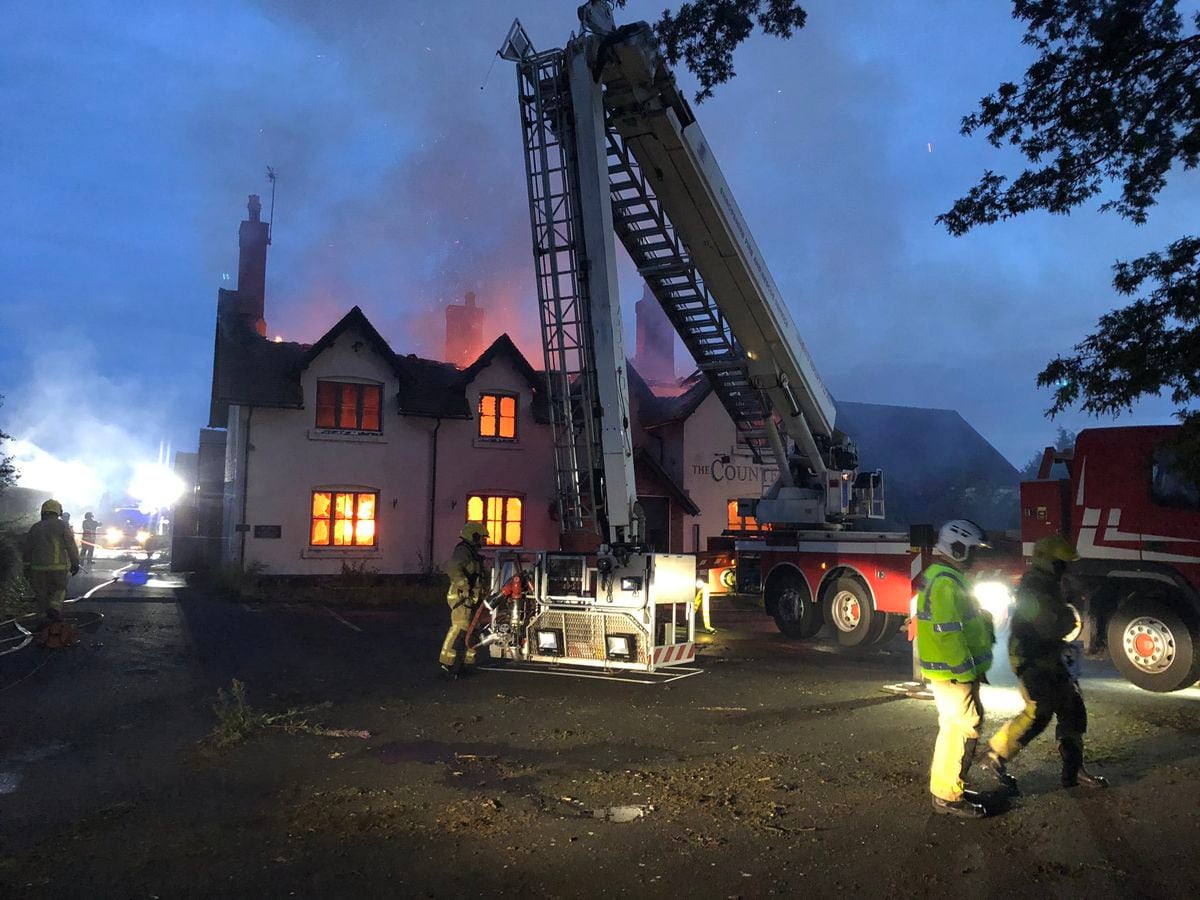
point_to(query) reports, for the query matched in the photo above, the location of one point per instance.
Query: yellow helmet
(1055, 548)
(472, 530)
(51, 508)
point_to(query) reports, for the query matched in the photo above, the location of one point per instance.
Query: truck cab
(1121, 495)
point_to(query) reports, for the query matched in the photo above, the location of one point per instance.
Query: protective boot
(996, 766)
(963, 809)
(1073, 772)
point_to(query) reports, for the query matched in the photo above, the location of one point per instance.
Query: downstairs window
(501, 516)
(343, 518)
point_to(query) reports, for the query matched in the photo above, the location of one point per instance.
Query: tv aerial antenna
(271, 222)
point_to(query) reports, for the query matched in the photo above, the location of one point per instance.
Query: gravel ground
(781, 768)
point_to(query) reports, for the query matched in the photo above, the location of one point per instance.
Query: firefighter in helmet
(465, 569)
(954, 645)
(1042, 624)
(53, 557)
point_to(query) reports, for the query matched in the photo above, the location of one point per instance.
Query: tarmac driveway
(781, 768)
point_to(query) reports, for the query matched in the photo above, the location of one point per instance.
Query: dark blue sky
(136, 130)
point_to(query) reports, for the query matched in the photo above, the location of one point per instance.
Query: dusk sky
(134, 132)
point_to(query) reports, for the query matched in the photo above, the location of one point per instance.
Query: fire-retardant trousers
(50, 588)
(960, 717)
(460, 621)
(1049, 692)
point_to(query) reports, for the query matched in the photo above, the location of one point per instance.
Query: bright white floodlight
(155, 487)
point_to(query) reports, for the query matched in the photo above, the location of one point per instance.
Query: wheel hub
(1149, 644)
(789, 603)
(847, 613)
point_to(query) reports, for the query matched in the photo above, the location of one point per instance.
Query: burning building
(345, 451)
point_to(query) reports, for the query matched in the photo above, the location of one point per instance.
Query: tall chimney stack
(252, 267)
(464, 331)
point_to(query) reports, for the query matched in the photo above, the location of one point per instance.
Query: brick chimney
(252, 266)
(654, 354)
(464, 331)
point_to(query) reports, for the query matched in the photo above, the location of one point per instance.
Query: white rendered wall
(290, 458)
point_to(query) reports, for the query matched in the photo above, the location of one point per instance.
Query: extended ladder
(551, 176)
(662, 260)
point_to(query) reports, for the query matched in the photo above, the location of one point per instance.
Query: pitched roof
(935, 465)
(644, 460)
(669, 410)
(431, 388)
(250, 370)
(504, 348)
(356, 318)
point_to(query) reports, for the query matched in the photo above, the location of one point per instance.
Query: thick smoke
(401, 186)
(80, 434)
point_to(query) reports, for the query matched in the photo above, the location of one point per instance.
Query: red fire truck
(1121, 496)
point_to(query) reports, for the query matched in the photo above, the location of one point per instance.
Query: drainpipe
(245, 489)
(433, 455)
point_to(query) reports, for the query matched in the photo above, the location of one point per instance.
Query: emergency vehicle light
(550, 641)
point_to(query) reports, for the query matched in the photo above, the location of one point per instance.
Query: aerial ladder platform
(613, 151)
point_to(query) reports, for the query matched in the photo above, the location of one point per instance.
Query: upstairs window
(498, 417)
(742, 523)
(349, 407)
(501, 516)
(343, 518)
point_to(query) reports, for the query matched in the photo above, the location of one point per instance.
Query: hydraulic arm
(613, 147)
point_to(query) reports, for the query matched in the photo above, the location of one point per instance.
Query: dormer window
(349, 407)
(498, 417)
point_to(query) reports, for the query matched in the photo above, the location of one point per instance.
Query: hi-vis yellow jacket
(954, 636)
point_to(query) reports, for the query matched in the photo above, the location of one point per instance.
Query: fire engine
(1121, 496)
(612, 151)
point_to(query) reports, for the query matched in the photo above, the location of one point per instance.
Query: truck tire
(889, 629)
(787, 599)
(1153, 646)
(846, 605)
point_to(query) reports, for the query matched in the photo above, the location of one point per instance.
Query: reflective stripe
(971, 663)
(948, 626)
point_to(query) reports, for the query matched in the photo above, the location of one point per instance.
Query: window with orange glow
(742, 523)
(343, 519)
(350, 407)
(498, 417)
(501, 516)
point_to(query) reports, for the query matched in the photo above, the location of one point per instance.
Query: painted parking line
(349, 625)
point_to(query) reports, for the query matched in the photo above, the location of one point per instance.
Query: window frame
(361, 388)
(500, 396)
(504, 521)
(332, 519)
(731, 516)
(1165, 473)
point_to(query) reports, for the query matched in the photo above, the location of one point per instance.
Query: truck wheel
(788, 600)
(889, 629)
(1152, 646)
(847, 606)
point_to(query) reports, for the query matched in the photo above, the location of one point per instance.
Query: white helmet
(957, 537)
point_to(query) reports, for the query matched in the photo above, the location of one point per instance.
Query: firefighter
(1042, 624)
(465, 569)
(90, 526)
(53, 556)
(954, 645)
(703, 605)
